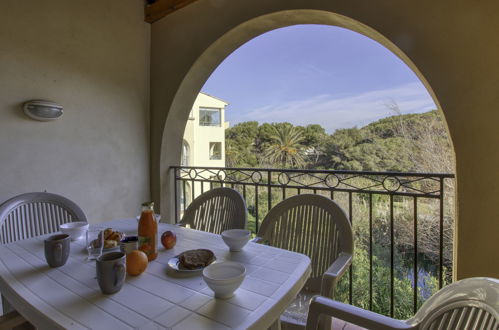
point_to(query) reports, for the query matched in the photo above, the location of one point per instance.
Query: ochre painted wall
(92, 57)
(454, 45)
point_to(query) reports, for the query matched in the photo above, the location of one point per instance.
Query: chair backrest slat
(471, 303)
(34, 214)
(467, 317)
(217, 210)
(310, 224)
(467, 304)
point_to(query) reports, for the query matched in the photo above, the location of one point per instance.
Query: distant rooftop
(227, 103)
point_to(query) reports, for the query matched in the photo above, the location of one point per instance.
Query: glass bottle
(148, 231)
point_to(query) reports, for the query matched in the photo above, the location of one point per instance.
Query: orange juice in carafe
(148, 231)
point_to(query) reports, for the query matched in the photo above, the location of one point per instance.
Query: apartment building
(204, 135)
(204, 138)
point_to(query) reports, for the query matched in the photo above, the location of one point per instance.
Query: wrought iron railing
(405, 192)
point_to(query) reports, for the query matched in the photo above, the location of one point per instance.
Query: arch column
(452, 46)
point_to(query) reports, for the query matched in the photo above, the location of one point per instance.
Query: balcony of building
(403, 224)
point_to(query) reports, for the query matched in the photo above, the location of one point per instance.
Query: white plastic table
(69, 296)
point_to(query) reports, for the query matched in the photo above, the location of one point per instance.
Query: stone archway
(453, 46)
(207, 62)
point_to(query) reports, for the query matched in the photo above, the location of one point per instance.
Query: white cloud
(333, 112)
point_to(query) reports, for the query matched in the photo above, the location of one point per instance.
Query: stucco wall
(198, 137)
(203, 135)
(93, 58)
(453, 44)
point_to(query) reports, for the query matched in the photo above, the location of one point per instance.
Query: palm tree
(285, 149)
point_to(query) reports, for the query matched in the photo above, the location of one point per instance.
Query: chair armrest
(256, 240)
(334, 273)
(355, 315)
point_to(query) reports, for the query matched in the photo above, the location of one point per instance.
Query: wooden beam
(161, 8)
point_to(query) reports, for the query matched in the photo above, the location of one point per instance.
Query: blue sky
(315, 74)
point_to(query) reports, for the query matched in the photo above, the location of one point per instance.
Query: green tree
(285, 149)
(314, 138)
(240, 143)
(339, 147)
(313, 135)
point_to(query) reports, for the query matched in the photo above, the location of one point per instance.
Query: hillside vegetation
(401, 143)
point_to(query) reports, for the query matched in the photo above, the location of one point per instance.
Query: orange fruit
(136, 262)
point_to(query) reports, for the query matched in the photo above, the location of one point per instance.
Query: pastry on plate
(107, 232)
(116, 236)
(193, 259)
(110, 234)
(112, 238)
(109, 244)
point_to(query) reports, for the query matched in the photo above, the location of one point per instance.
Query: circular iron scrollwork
(283, 178)
(221, 175)
(193, 174)
(332, 180)
(391, 183)
(256, 177)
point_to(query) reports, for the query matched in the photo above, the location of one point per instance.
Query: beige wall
(453, 44)
(92, 57)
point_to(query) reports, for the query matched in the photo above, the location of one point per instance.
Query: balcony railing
(404, 220)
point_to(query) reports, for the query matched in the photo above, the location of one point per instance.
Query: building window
(184, 161)
(210, 117)
(215, 150)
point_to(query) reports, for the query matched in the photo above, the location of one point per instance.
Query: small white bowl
(236, 239)
(74, 229)
(224, 278)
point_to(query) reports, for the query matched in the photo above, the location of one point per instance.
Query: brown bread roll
(193, 259)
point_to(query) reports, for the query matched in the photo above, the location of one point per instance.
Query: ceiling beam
(155, 10)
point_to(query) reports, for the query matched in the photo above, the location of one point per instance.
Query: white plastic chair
(317, 227)
(34, 214)
(216, 210)
(471, 303)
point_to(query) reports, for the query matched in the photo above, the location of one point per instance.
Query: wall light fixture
(42, 110)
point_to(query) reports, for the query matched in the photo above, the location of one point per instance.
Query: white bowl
(74, 229)
(236, 239)
(224, 278)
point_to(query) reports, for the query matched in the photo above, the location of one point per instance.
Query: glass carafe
(148, 231)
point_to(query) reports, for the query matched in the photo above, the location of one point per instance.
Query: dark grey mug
(57, 249)
(111, 271)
